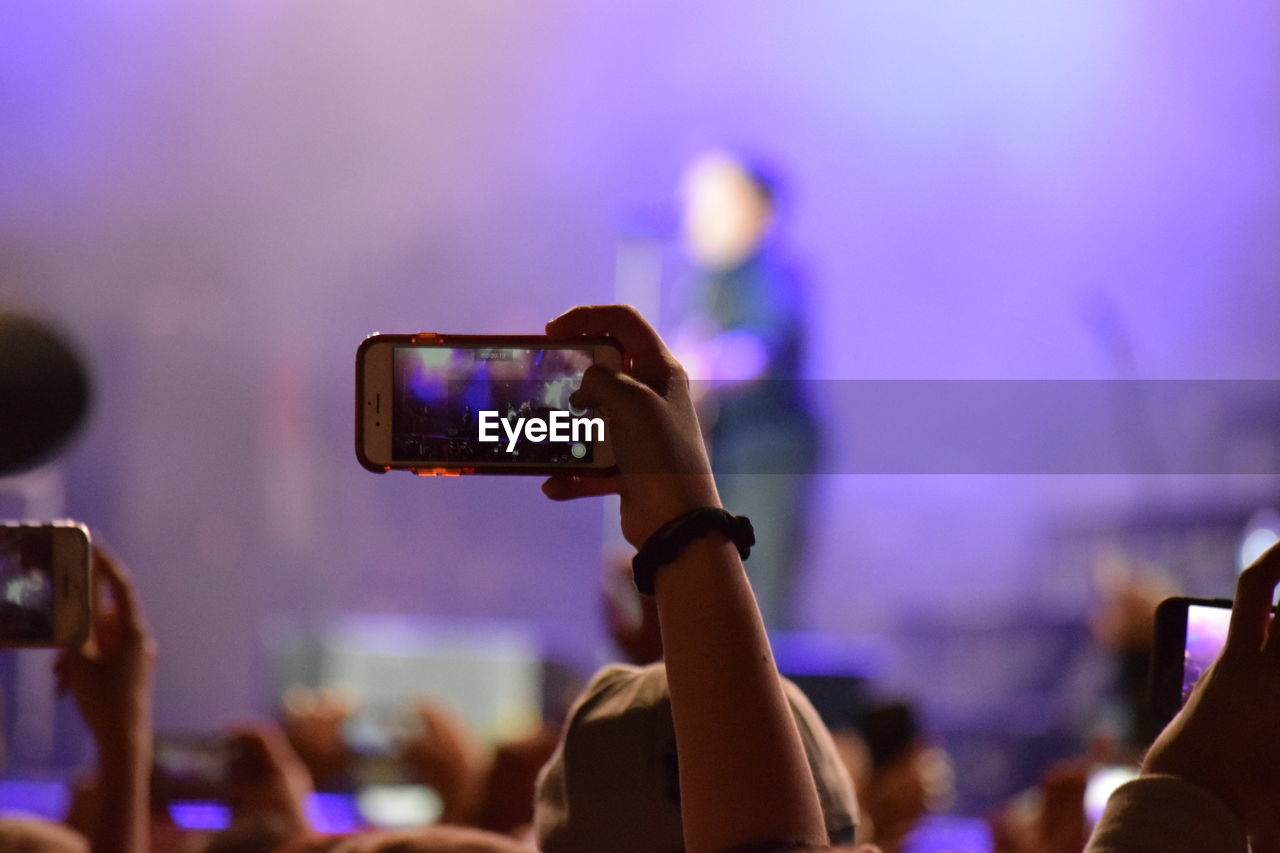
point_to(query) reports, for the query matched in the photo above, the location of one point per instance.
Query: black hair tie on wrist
(670, 540)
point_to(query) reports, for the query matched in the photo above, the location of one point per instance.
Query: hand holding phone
(110, 676)
(743, 772)
(663, 469)
(1227, 737)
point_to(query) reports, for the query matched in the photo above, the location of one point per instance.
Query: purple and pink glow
(221, 200)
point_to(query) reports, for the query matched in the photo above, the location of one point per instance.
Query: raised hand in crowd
(1055, 820)
(446, 756)
(313, 721)
(743, 775)
(267, 782)
(507, 804)
(1213, 775)
(110, 679)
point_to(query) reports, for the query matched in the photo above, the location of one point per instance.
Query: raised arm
(1213, 775)
(743, 775)
(111, 680)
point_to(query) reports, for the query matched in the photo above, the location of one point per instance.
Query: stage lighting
(1262, 531)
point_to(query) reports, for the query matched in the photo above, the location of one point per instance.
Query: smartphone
(44, 584)
(372, 807)
(472, 404)
(1190, 632)
(398, 806)
(190, 767)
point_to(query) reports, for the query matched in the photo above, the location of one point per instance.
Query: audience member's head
(899, 775)
(44, 392)
(613, 783)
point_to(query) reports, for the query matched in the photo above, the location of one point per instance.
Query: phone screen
(399, 806)
(371, 807)
(1206, 635)
(469, 404)
(26, 585)
(189, 768)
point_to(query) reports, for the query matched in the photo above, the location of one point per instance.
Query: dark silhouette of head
(44, 392)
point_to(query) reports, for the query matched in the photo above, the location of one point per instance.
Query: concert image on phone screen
(1206, 635)
(447, 398)
(26, 586)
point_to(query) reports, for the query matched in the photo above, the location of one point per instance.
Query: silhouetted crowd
(694, 743)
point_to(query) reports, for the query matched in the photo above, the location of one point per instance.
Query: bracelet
(669, 540)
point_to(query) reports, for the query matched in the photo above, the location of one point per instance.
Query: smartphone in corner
(1190, 633)
(190, 768)
(44, 584)
(474, 404)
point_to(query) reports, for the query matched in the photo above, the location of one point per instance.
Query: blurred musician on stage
(743, 332)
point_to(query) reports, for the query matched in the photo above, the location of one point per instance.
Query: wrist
(125, 739)
(687, 492)
(672, 540)
(124, 751)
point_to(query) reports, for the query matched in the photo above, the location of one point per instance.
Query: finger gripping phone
(44, 584)
(1189, 635)
(476, 404)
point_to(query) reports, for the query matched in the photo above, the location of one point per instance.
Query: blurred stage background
(219, 200)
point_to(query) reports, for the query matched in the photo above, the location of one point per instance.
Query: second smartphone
(44, 584)
(472, 404)
(1190, 633)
